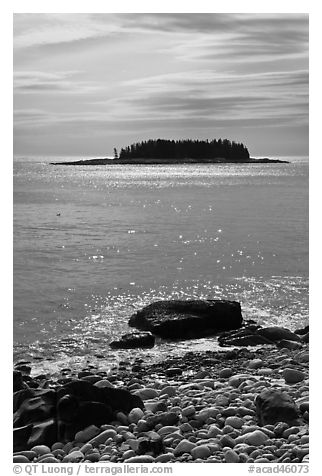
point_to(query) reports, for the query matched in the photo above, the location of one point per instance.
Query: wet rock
(135, 415)
(231, 456)
(168, 390)
(255, 438)
(225, 373)
(201, 451)
(293, 376)
(191, 318)
(288, 344)
(146, 393)
(234, 422)
(274, 406)
(134, 340)
(173, 371)
(184, 446)
(140, 459)
(74, 457)
(276, 333)
(21, 436)
(152, 443)
(18, 383)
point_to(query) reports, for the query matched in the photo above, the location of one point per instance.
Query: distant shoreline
(167, 161)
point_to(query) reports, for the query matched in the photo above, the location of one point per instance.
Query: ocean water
(93, 244)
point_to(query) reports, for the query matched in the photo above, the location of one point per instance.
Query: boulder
(18, 383)
(288, 344)
(274, 406)
(116, 399)
(134, 340)
(188, 319)
(293, 376)
(39, 406)
(302, 331)
(151, 443)
(44, 416)
(244, 341)
(21, 436)
(276, 333)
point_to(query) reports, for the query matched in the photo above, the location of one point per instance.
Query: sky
(85, 83)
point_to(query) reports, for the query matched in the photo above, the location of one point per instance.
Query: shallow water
(92, 244)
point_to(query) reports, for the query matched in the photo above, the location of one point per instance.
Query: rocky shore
(231, 406)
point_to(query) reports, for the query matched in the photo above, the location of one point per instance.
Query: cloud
(38, 82)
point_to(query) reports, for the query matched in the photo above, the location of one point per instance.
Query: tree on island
(186, 149)
(116, 156)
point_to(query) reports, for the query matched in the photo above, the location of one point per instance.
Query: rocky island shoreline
(167, 161)
(167, 152)
(248, 403)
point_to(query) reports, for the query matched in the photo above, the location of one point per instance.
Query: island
(161, 151)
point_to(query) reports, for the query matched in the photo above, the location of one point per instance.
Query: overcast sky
(86, 83)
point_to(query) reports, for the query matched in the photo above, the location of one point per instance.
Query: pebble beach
(199, 407)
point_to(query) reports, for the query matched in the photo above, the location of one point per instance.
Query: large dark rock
(188, 319)
(18, 383)
(247, 340)
(44, 416)
(134, 340)
(38, 408)
(151, 443)
(274, 406)
(275, 334)
(116, 399)
(21, 436)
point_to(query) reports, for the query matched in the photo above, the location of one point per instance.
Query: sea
(94, 244)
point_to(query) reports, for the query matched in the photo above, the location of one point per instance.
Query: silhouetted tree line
(186, 149)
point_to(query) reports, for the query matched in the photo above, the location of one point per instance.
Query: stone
(134, 340)
(43, 433)
(293, 376)
(140, 459)
(255, 363)
(73, 457)
(48, 459)
(165, 458)
(188, 411)
(276, 333)
(234, 422)
(305, 338)
(167, 430)
(255, 438)
(304, 407)
(225, 373)
(191, 318)
(87, 434)
(135, 415)
(288, 344)
(201, 451)
(146, 393)
(41, 450)
(236, 380)
(303, 357)
(150, 444)
(227, 440)
(274, 406)
(169, 390)
(248, 340)
(18, 383)
(103, 384)
(231, 456)
(21, 436)
(184, 446)
(20, 459)
(100, 438)
(173, 371)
